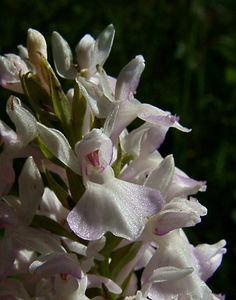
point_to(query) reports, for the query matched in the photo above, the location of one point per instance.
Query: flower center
(93, 158)
(63, 276)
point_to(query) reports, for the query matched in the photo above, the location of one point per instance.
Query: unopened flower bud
(36, 45)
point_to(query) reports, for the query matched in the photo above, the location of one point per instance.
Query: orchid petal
(47, 265)
(11, 66)
(37, 240)
(84, 51)
(23, 53)
(178, 213)
(140, 167)
(97, 281)
(139, 296)
(93, 93)
(50, 206)
(95, 140)
(182, 185)
(117, 206)
(63, 58)
(128, 78)
(102, 48)
(127, 112)
(36, 45)
(175, 250)
(30, 190)
(209, 258)
(169, 273)
(24, 121)
(58, 145)
(161, 177)
(157, 116)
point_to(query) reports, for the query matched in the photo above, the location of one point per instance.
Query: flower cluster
(95, 211)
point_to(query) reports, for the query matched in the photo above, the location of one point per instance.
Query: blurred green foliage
(190, 52)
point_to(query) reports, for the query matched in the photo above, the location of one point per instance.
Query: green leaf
(38, 97)
(59, 100)
(126, 158)
(112, 241)
(60, 191)
(79, 105)
(122, 257)
(76, 184)
(52, 226)
(116, 166)
(47, 153)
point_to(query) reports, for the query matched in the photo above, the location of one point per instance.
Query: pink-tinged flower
(36, 46)
(128, 108)
(128, 204)
(58, 276)
(51, 207)
(47, 265)
(30, 193)
(16, 213)
(96, 281)
(66, 279)
(14, 144)
(175, 186)
(89, 52)
(138, 296)
(11, 67)
(209, 258)
(183, 185)
(90, 252)
(179, 211)
(173, 271)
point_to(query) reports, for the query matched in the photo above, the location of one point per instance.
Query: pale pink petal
(161, 177)
(24, 121)
(47, 265)
(175, 251)
(58, 145)
(36, 45)
(85, 51)
(11, 67)
(128, 78)
(51, 207)
(63, 58)
(95, 97)
(97, 281)
(113, 205)
(102, 48)
(183, 185)
(209, 258)
(30, 191)
(178, 213)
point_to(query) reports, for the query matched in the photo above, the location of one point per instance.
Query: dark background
(190, 52)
